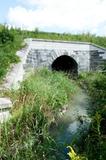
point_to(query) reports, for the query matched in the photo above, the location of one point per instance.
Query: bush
(6, 36)
(9, 44)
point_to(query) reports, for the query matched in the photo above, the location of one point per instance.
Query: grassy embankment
(37, 103)
(94, 143)
(36, 106)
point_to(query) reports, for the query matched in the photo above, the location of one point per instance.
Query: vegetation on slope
(37, 103)
(26, 136)
(94, 143)
(9, 44)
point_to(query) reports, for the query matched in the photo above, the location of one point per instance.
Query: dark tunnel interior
(66, 64)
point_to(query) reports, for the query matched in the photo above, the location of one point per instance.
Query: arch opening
(66, 64)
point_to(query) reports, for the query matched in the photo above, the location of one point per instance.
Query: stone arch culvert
(66, 64)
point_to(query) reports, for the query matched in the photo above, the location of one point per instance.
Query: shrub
(6, 36)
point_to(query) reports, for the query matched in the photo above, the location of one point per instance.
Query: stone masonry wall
(96, 60)
(45, 57)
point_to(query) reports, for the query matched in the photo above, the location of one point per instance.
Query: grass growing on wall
(38, 101)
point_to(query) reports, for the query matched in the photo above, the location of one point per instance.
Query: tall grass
(26, 136)
(95, 84)
(95, 142)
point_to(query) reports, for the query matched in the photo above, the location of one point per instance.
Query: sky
(63, 16)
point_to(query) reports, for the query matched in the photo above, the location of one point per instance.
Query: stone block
(5, 103)
(5, 106)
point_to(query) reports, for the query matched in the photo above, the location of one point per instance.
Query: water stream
(74, 122)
